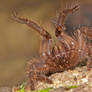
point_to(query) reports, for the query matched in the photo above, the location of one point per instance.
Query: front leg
(37, 76)
(37, 70)
(46, 45)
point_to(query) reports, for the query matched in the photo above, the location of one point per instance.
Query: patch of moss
(70, 87)
(22, 89)
(44, 90)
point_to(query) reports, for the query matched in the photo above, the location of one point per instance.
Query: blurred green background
(19, 43)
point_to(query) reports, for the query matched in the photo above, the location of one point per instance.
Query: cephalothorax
(65, 54)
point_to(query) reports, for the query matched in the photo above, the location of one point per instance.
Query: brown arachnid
(67, 53)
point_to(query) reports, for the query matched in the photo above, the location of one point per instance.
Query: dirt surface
(77, 80)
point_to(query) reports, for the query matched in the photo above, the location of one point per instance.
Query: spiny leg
(46, 37)
(60, 28)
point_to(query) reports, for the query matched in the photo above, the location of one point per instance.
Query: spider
(67, 53)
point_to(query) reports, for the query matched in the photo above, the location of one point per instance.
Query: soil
(76, 80)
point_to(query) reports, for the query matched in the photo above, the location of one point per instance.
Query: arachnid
(67, 53)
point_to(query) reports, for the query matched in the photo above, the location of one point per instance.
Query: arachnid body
(65, 54)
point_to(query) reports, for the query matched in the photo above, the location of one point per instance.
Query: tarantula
(67, 53)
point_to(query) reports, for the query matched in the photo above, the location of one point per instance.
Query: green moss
(44, 90)
(73, 86)
(22, 89)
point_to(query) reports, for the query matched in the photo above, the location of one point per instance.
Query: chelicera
(67, 53)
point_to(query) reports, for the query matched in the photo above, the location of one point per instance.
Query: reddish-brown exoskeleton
(65, 54)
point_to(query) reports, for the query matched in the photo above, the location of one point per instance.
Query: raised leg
(61, 19)
(60, 28)
(45, 50)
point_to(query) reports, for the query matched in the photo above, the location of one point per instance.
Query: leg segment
(46, 48)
